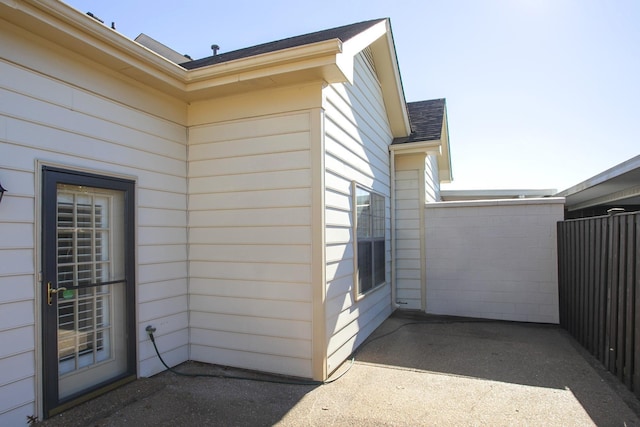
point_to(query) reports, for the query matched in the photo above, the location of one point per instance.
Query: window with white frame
(370, 241)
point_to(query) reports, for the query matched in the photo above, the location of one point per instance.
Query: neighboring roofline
(615, 171)
(330, 60)
(496, 194)
(619, 185)
(496, 202)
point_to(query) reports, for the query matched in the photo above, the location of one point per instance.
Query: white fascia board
(357, 44)
(427, 147)
(444, 161)
(385, 58)
(59, 22)
(285, 60)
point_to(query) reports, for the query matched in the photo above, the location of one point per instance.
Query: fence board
(593, 288)
(612, 297)
(573, 308)
(629, 301)
(601, 287)
(622, 294)
(580, 280)
(636, 332)
(599, 290)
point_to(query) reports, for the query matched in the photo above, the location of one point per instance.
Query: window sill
(358, 296)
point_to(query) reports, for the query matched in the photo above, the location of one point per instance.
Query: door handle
(51, 292)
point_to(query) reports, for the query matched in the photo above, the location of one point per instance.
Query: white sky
(540, 93)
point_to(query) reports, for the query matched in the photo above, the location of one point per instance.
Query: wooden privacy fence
(599, 286)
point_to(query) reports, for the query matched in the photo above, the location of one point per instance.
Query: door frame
(50, 177)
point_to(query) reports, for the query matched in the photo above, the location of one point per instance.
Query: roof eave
(436, 147)
(431, 147)
(78, 32)
(315, 61)
(60, 23)
(321, 61)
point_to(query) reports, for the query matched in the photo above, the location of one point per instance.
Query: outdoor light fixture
(2, 190)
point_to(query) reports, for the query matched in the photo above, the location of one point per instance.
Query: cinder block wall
(493, 259)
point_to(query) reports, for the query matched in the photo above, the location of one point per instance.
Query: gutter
(430, 147)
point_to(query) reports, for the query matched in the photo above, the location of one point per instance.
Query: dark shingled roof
(343, 33)
(426, 121)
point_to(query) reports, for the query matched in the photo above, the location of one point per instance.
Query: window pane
(378, 262)
(365, 267)
(363, 197)
(378, 205)
(378, 215)
(371, 223)
(364, 224)
(378, 227)
(363, 203)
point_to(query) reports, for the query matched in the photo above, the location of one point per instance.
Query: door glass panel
(90, 265)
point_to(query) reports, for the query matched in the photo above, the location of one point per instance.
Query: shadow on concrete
(536, 355)
(413, 370)
(171, 400)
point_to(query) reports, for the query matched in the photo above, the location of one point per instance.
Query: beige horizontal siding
(252, 325)
(432, 180)
(16, 396)
(355, 332)
(261, 361)
(250, 236)
(276, 254)
(64, 118)
(356, 142)
(256, 217)
(67, 68)
(282, 347)
(253, 181)
(408, 255)
(246, 235)
(15, 288)
(257, 289)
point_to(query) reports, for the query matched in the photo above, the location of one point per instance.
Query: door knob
(52, 291)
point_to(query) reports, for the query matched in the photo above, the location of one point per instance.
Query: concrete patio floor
(414, 370)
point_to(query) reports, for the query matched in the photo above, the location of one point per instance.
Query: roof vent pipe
(215, 48)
